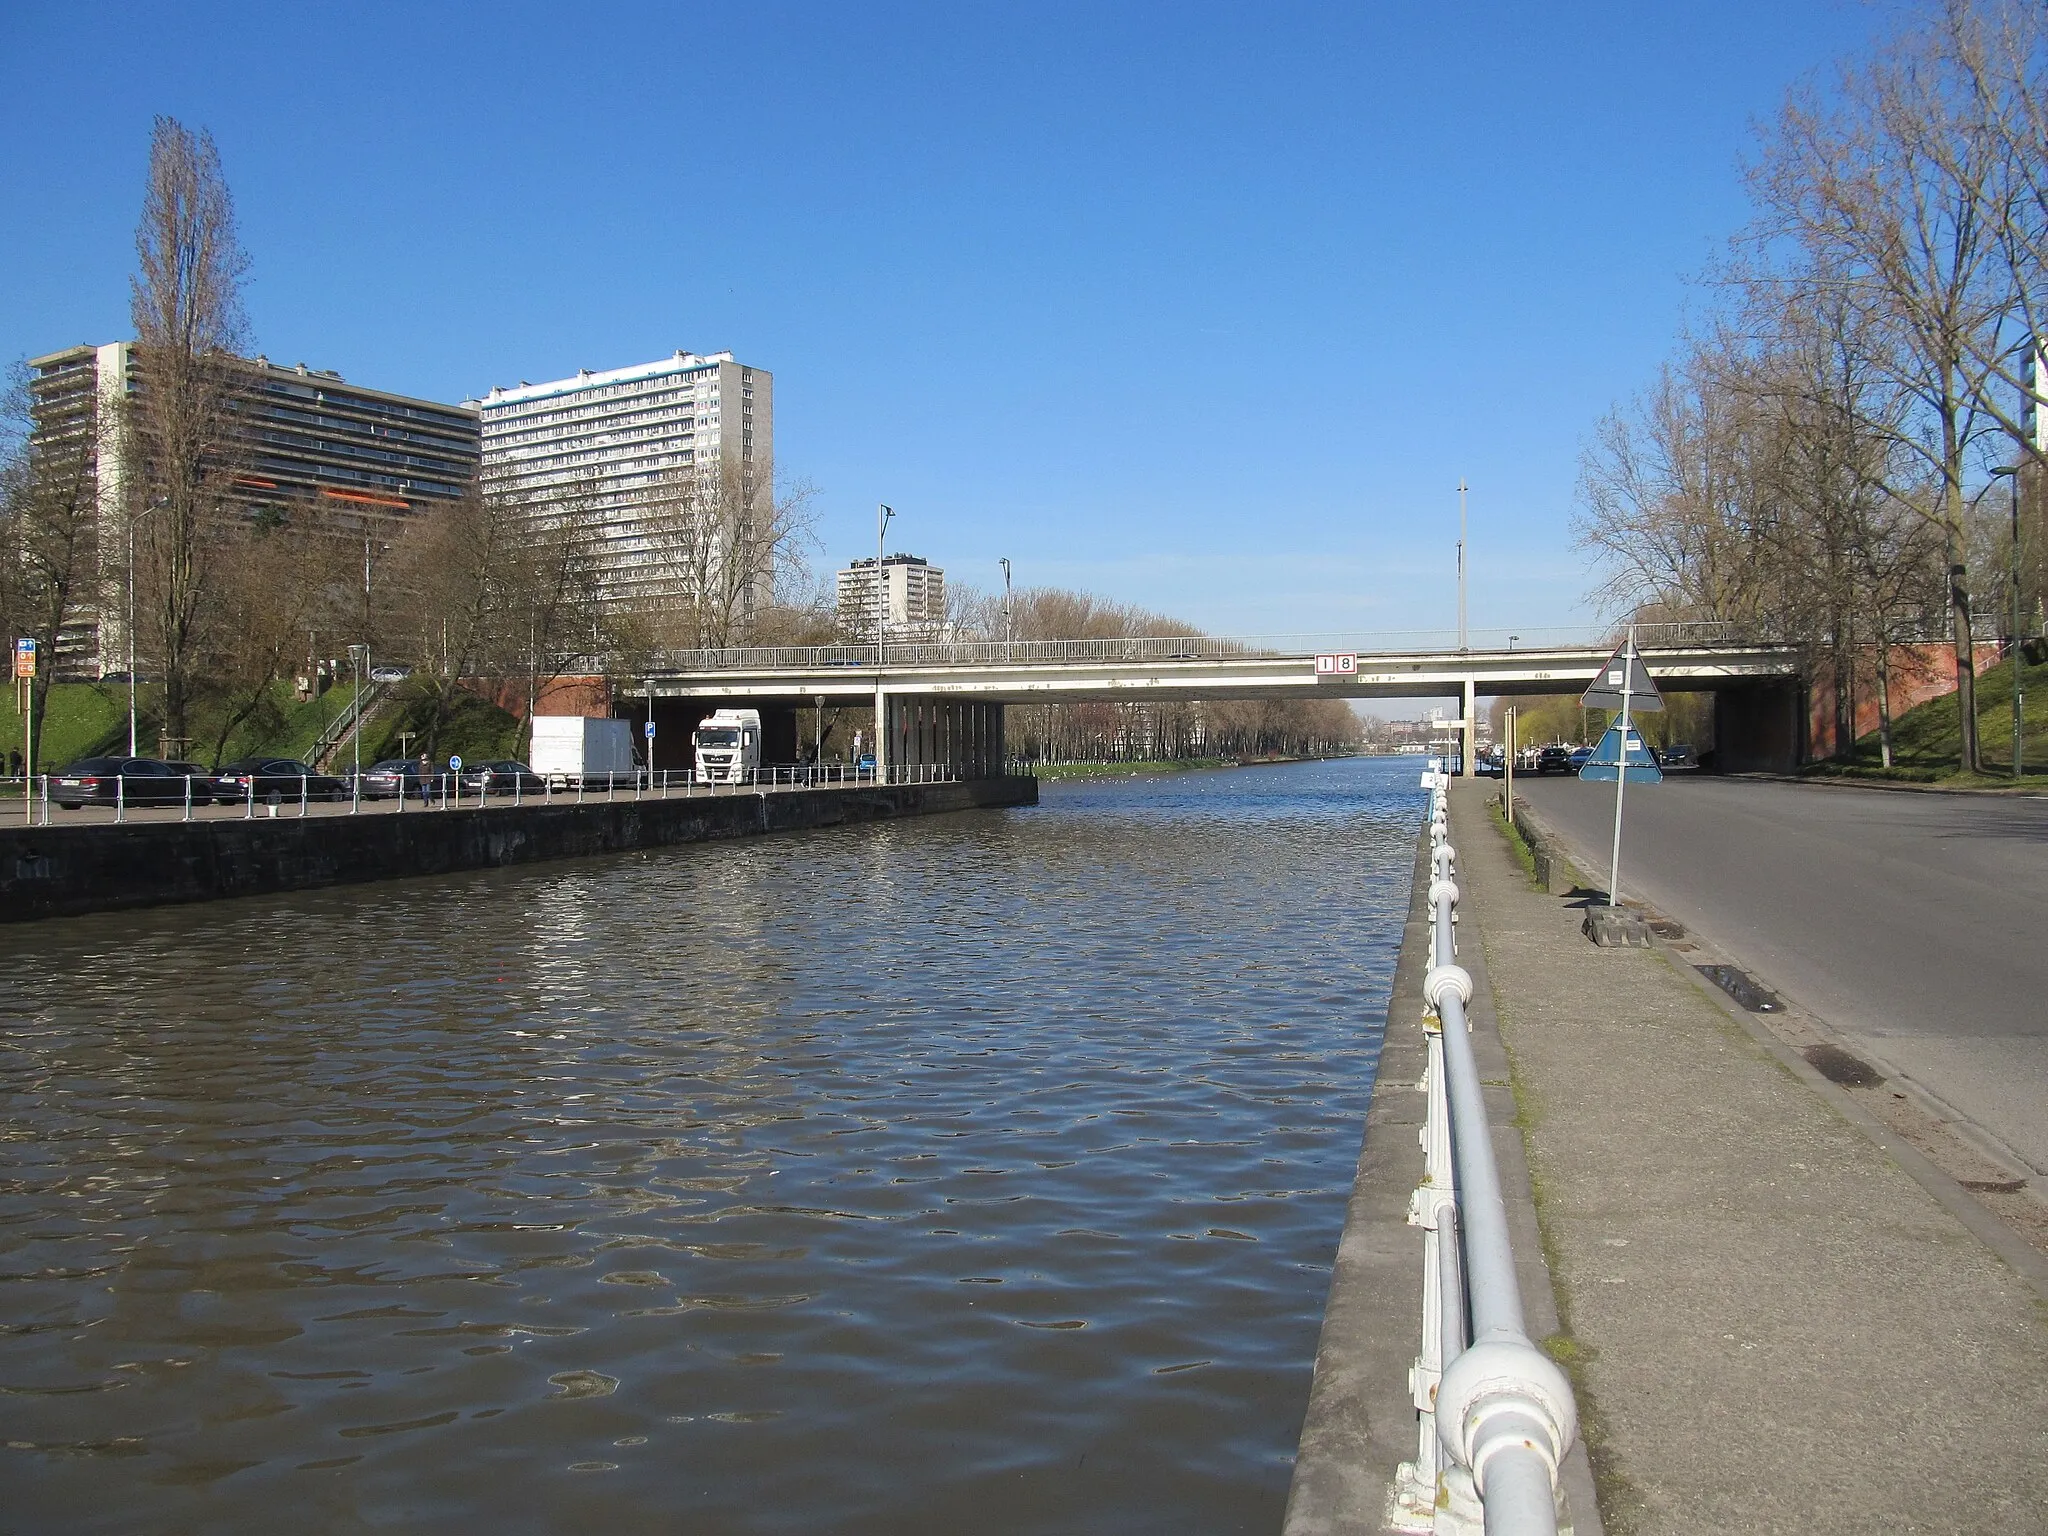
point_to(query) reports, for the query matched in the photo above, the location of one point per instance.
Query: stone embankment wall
(61, 871)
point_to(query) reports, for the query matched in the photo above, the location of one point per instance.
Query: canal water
(979, 1173)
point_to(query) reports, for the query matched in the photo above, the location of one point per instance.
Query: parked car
(394, 776)
(1554, 759)
(1492, 760)
(119, 780)
(390, 674)
(1580, 756)
(1680, 755)
(501, 778)
(275, 780)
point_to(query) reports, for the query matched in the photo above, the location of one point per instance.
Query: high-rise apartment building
(303, 443)
(912, 592)
(653, 458)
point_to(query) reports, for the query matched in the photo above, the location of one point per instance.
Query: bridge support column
(1470, 767)
(884, 708)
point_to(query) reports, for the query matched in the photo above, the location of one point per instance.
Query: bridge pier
(1470, 723)
(920, 731)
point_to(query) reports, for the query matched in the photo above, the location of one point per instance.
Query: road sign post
(1626, 682)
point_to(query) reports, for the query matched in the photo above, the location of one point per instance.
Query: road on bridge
(1913, 925)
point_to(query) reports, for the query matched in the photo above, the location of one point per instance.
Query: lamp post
(1461, 565)
(883, 514)
(1009, 630)
(359, 658)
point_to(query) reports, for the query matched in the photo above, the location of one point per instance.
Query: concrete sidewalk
(1773, 1326)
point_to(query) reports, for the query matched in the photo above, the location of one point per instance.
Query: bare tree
(1668, 499)
(712, 544)
(49, 536)
(282, 580)
(1893, 193)
(180, 451)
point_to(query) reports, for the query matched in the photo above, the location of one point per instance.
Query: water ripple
(871, 1180)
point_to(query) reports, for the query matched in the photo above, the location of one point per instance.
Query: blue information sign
(1605, 765)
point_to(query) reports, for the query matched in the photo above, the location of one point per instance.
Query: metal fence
(195, 798)
(1497, 1414)
(940, 653)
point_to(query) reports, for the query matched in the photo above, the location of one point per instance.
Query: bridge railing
(1497, 1415)
(912, 652)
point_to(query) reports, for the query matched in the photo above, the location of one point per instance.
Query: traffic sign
(24, 658)
(454, 762)
(1624, 670)
(1337, 664)
(1606, 765)
(648, 728)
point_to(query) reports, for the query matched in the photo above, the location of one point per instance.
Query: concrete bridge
(943, 702)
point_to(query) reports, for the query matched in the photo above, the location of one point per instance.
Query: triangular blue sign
(1605, 765)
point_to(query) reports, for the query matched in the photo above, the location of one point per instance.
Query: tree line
(1813, 463)
(1114, 731)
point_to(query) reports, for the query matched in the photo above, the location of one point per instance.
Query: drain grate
(1838, 1066)
(1743, 988)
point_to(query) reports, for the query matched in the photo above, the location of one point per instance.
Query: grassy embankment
(89, 719)
(1926, 747)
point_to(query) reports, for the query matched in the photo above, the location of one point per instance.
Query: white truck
(575, 749)
(728, 746)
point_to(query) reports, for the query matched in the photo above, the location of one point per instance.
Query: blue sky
(1205, 307)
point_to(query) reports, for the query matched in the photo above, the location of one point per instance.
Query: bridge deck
(1028, 679)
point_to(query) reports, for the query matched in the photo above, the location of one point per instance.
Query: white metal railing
(209, 797)
(908, 652)
(1496, 1414)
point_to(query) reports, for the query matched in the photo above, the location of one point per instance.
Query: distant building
(306, 443)
(630, 446)
(912, 590)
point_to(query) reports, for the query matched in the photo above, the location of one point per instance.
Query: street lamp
(1461, 565)
(359, 658)
(1009, 630)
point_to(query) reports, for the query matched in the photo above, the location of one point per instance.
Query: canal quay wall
(63, 871)
(1361, 1422)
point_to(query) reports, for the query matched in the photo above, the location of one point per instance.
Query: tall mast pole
(1462, 645)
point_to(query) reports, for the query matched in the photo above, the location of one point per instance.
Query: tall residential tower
(661, 460)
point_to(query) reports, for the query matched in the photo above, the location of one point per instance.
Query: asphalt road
(1914, 925)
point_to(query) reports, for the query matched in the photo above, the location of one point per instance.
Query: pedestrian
(14, 764)
(426, 779)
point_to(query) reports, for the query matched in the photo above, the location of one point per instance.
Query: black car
(1554, 760)
(275, 781)
(121, 780)
(502, 778)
